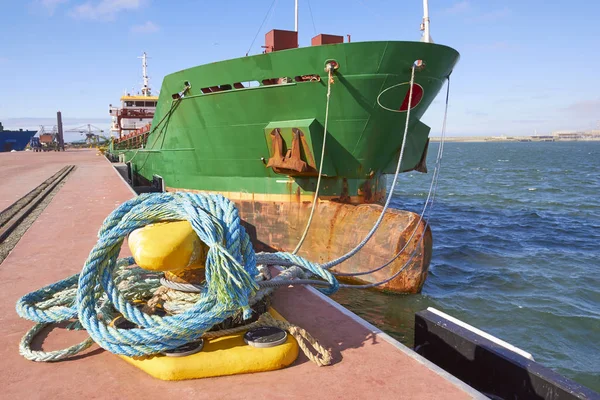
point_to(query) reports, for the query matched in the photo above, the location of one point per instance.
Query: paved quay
(368, 363)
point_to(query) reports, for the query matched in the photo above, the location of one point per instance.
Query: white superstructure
(135, 111)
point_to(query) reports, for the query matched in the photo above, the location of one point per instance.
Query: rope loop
(107, 285)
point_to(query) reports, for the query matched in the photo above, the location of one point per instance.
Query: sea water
(516, 250)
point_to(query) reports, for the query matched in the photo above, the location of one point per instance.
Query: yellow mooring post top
(167, 246)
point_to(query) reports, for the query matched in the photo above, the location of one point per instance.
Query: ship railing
(135, 137)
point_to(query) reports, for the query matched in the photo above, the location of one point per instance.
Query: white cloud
(476, 14)
(494, 15)
(458, 8)
(148, 27)
(105, 10)
(584, 108)
(49, 5)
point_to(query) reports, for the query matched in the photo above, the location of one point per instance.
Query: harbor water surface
(516, 233)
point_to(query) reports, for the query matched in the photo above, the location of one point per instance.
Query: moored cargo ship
(253, 129)
(14, 140)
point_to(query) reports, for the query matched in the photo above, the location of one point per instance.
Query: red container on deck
(326, 39)
(280, 40)
(46, 138)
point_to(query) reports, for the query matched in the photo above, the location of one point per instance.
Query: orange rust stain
(332, 224)
(344, 197)
(288, 186)
(366, 190)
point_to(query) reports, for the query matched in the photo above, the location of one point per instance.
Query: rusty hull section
(336, 229)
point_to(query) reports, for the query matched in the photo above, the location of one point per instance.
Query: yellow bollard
(171, 247)
(175, 249)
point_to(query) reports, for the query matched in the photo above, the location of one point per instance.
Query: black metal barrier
(489, 367)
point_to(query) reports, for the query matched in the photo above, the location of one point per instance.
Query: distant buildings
(554, 137)
(497, 138)
(577, 135)
(543, 138)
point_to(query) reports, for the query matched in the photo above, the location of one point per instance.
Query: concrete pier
(368, 363)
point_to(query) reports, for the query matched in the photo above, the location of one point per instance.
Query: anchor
(291, 163)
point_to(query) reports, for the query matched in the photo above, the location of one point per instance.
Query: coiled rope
(104, 283)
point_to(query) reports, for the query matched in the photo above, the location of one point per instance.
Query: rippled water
(516, 230)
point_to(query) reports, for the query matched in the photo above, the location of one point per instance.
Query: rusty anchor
(291, 163)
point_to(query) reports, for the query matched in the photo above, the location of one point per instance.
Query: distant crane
(49, 139)
(45, 139)
(91, 132)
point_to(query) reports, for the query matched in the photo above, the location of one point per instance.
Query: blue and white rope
(104, 281)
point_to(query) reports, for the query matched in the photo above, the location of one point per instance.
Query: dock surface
(368, 363)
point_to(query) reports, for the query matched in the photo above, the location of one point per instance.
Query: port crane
(92, 134)
(45, 139)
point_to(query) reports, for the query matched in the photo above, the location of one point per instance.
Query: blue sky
(525, 65)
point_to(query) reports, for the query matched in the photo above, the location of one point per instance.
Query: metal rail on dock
(15, 214)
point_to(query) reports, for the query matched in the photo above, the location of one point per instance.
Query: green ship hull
(260, 144)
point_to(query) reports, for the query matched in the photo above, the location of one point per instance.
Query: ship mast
(296, 16)
(146, 88)
(425, 24)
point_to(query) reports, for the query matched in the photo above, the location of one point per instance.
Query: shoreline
(495, 139)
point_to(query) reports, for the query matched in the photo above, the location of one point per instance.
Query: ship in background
(14, 140)
(135, 111)
(252, 129)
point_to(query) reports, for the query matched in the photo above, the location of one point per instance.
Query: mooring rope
(230, 270)
(330, 70)
(431, 195)
(303, 338)
(428, 205)
(167, 116)
(369, 235)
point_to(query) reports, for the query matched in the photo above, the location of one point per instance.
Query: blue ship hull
(14, 140)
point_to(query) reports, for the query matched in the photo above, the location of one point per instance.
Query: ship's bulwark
(220, 142)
